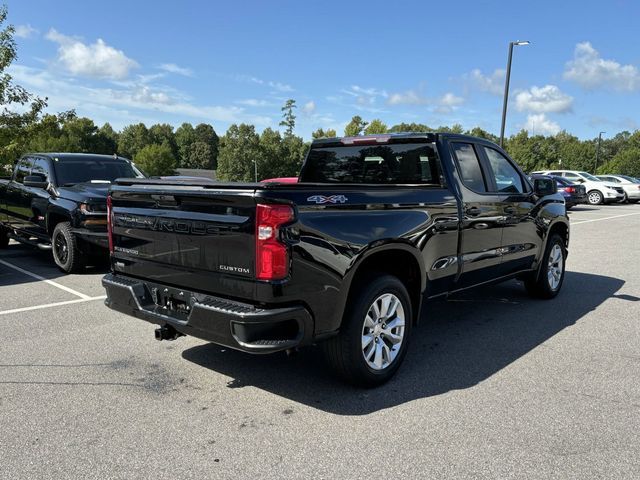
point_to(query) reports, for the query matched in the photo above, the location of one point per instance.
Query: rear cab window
(390, 164)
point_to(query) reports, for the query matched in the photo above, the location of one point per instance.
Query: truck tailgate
(195, 237)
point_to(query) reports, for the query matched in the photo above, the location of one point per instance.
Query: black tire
(345, 353)
(66, 253)
(4, 238)
(543, 286)
(595, 197)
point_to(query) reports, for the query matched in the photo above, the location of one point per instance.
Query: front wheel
(374, 336)
(595, 197)
(551, 276)
(66, 253)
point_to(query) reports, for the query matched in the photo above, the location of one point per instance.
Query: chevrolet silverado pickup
(58, 202)
(344, 257)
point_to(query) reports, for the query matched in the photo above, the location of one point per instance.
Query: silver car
(630, 185)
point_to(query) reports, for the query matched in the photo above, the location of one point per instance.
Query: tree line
(242, 154)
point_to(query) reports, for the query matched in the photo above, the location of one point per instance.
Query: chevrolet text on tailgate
(344, 257)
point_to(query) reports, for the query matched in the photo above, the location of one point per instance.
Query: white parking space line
(605, 218)
(49, 305)
(42, 279)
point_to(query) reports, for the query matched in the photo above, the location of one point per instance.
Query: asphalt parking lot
(496, 385)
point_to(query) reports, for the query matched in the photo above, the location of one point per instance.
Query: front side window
(23, 169)
(401, 163)
(40, 168)
(507, 178)
(469, 165)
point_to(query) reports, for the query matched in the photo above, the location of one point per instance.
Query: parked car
(630, 185)
(344, 257)
(573, 193)
(598, 191)
(58, 202)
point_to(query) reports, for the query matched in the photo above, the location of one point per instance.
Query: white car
(598, 191)
(630, 185)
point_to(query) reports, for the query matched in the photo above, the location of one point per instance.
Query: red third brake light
(272, 257)
(110, 223)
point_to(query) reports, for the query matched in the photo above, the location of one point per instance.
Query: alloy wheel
(383, 331)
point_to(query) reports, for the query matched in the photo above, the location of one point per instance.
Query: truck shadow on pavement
(459, 343)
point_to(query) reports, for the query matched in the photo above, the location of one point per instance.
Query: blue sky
(433, 63)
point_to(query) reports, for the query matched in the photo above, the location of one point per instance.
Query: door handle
(509, 210)
(473, 211)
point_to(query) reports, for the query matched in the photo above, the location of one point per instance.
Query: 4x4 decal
(320, 199)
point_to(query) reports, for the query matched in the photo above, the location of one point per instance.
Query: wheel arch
(401, 260)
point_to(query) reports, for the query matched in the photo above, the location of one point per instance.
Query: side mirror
(35, 181)
(545, 186)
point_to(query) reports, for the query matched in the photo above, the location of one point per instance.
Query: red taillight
(110, 223)
(366, 140)
(272, 256)
(570, 189)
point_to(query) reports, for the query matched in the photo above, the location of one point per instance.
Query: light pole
(255, 169)
(506, 85)
(595, 167)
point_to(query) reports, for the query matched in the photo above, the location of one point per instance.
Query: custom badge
(320, 199)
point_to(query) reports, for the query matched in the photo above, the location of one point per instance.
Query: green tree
(205, 133)
(626, 162)
(156, 159)
(288, 117)
(376, 126)
(355, 127)
(20, 109)
(410, 127)
(239, 148)
(134, 138)
(480, 133)
(199, 156)
(185, 136)
(163, 133)
(328, 133)
(107, 139)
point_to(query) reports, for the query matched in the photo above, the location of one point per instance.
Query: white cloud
(493, 83)
(97, 60)
(448, 103)
(278, 86)
(410, 97)
(309, 107)
(364, 97)
(539, 124)
(173, 68)
(25, 31)
(254, 102)
(547, 99)
(126, 103)
(589, 70)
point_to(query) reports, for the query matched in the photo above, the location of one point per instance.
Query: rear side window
(507, 178)
(401, 163)
(23, 169)
(469, 166)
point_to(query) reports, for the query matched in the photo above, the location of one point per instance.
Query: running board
(28, 241)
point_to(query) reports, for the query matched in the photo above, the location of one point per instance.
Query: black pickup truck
(345, 257)
(58, 201)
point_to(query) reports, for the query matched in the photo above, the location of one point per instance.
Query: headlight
(93, 208)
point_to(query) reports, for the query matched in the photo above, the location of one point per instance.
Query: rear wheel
(66, 253)
(594, 197)
(375, 332)
(551, 276)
